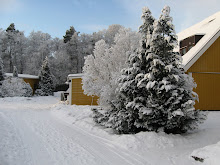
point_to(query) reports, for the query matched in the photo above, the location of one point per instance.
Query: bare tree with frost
(102, 69)
(1, 70)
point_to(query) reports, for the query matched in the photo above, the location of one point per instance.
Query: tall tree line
(65, 55)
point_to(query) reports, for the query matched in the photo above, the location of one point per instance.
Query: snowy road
(44, 131)
(31, 135)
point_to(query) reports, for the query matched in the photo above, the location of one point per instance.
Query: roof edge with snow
(210, 27)
(27, 76)
(202, 50)
(78, 75)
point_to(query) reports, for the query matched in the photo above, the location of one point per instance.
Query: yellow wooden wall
(208, 89)
(78, 97)
(209, 61)
(32, 82)
(206, 73)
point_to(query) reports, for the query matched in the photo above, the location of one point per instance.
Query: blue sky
(87, 16)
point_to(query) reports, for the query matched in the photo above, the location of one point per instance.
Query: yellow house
(31, 79)
(76, 95)
(200, 48)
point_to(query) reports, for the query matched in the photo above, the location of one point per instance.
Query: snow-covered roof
(28, 76)
(78, 75)
(210, 28)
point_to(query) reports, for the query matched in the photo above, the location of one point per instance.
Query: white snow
(150, 84)
(208, 27)
(210, 155)
(169, 67)
(23, 76)
(178, 113)
(15, 87)
(78, 75)
(176, 77)
(42, 130)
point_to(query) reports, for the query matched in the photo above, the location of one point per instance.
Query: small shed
(76, 95)
(31, 79)
(200, 48)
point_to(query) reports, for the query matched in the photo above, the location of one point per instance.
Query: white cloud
(9, 5)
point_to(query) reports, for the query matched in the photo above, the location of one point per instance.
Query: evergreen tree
(69, 34)
(15, 72)
(11, 28)
(171, 98)
(46, 81)
(146, 29)
(72, 50)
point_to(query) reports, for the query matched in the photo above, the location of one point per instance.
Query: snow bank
(58, 94)
(148, 140)
(81, 116)
(210, 155)
(156, 147)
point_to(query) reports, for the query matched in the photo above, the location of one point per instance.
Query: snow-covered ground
(44, 131)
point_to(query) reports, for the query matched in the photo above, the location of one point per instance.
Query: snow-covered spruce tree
(171, 99)
(69, 34)
(46, 81)
(15, 72)
(125, 114)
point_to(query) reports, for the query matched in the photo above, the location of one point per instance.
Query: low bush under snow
(15, 87)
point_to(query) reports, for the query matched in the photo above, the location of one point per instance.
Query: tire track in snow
(60, 148)
(12, 148)
(124, 155)
(43, 139)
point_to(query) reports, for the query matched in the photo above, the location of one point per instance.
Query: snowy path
(31, 135)
(42, 131)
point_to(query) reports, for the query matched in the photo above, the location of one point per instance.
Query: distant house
(76, 95)
(31, 79)
(200, 48)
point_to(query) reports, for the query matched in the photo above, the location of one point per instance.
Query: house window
(183, 51)
(187, 43)
(190, 47)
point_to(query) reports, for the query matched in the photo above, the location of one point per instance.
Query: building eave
(197, 54)
(24, 76)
